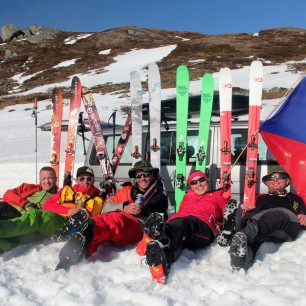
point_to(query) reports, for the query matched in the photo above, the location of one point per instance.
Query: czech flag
(285, 135)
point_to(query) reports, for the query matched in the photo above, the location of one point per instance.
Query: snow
(118, 276)
(105, 52)
(73, 39)
(66, 63)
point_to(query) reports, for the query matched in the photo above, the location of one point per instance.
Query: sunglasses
(276, 177)
(200, 180)
(85, 178)
(143, 174)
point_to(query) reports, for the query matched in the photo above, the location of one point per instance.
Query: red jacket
(208, 207)
(18, 196)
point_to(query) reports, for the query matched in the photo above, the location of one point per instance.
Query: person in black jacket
(278, 216)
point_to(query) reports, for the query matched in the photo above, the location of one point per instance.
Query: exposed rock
(8, 30)
(8, 54)
(16, 35)
(134, 31)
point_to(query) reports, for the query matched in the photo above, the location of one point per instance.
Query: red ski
(99, 142)
(56, 129)
(256, 78)
(75, 103)
(225, 94)
(122, 142)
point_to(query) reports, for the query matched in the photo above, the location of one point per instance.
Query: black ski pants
(275, 225)
(8, 211)
(187, 232)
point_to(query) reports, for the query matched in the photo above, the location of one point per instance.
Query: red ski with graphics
(56, 129)
(122, 142)
(75, 103)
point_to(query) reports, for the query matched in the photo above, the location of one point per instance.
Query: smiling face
(143, 179)
(199, 185)
(47, 179)
(85, 181)
(277, 184)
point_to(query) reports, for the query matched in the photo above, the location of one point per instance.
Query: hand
(72, 211)
(302, 219)
(132, 209)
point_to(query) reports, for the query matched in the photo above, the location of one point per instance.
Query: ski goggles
(278, 176)
(85, 178)
(142, 174)
(200, 180)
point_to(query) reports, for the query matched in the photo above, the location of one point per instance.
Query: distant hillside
(37, 56)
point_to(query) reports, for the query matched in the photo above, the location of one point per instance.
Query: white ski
(136, 112)
(154, 110)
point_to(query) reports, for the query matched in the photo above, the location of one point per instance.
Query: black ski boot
(72, 252)
(154, 229)
(158, 261)
(76, 223)
(232, 218)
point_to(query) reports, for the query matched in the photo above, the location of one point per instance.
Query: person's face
(47, 180)
(85, 181)
(143, 179)
(199, 185)
(276, 182)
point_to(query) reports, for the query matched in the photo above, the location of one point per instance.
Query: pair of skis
(182, 103)
(154, 86)
(255, 94)
(56, 128)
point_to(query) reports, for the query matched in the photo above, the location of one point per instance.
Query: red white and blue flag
(285, 135)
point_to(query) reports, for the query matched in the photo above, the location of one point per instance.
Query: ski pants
(117, 227)
(24, 228)
(8, 211)
(187, 232)
(275, 225)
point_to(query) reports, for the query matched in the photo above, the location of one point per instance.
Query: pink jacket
(208, 207)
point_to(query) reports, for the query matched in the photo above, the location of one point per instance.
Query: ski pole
(113, 115)
(82, 128)
(34, 115)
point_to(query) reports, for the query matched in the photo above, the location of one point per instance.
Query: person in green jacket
(22, 219)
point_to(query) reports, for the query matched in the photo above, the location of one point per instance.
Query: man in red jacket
(193, 226)
(122, 218)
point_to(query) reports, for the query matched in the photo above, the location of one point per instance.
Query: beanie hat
(194, 174)
(86, 171)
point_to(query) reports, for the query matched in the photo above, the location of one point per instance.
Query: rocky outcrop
(8, 30)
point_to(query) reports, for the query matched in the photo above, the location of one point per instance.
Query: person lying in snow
(278, 216)
(121, 221)
(21, 216)
(193, 226)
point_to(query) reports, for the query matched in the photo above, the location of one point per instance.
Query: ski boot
(158, 261)
(231, 216)
(72, 252)
(76, 223)
(154, 230)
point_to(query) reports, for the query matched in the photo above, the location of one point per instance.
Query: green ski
(182, 100)
(205, 116)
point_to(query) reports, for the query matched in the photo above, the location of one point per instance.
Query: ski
(75, 103)
(56, 129)
(99, 142)
(136, 112)
(182, 101)
(155, 115)
(205, 116)
(225, 100)
(255, 94)
(122, 142)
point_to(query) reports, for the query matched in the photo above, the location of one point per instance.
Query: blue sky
(211, 17)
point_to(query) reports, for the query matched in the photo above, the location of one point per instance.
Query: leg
(8, 211)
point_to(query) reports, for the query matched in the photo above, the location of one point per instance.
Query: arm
(118, 201)
(52, 204)
(18, 196)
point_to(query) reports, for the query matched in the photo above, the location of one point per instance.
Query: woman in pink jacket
(193, 226)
